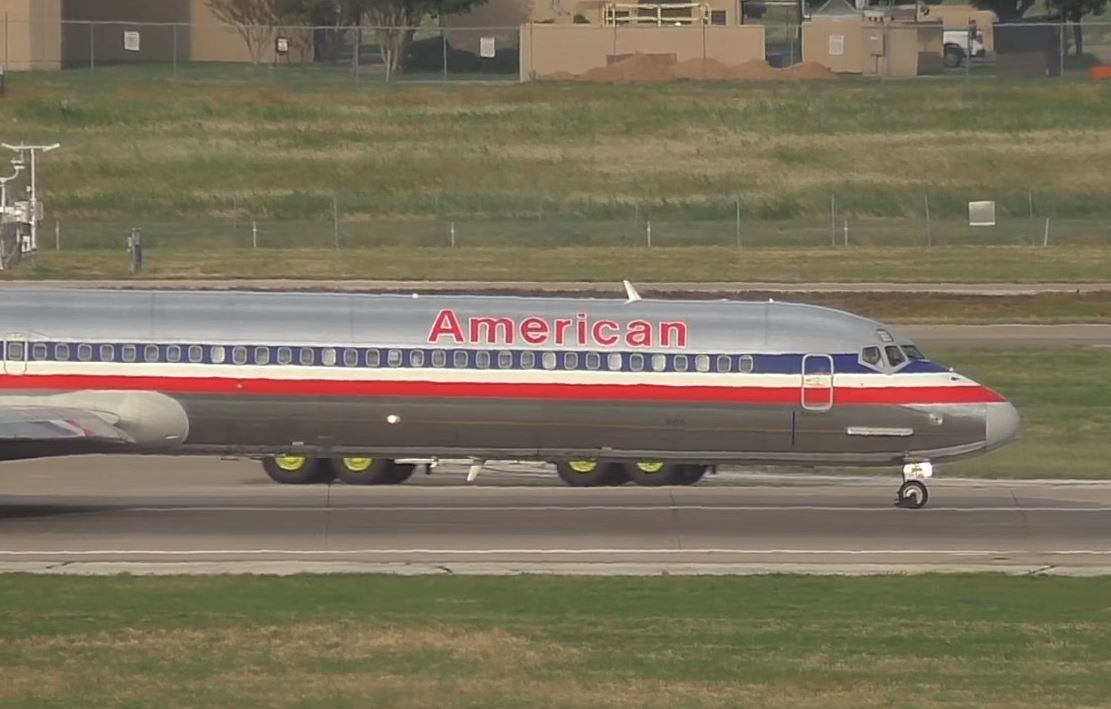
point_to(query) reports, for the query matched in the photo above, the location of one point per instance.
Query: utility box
(875, 42)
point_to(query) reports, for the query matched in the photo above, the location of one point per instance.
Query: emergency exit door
(817, 382)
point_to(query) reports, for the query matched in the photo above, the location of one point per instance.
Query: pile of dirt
(661, 67)
(705, 69)
(636, 67)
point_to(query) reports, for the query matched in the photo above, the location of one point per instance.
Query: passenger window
(285, 355)
(196, 353)
(439, 358)
(894, 355)
(570, 360)
(393, 358)
(636, 362)
(373, 358)
(173, 353)
(262, 355)
(38, 352)
(505, 360)
(306, 357)
(107, 353)
(746, 364)
(85, 353)
(482, 359)
(350, 358)
(659, 362)
(593, 360)
(528, 360)
(328, 357)
(680, 363)
(239, 355)
(459, 359)
(416, 358)
(614, 361)
(871, 355)
(548, 360)
(14, 352)
(218, 354)
(702, 363)
(130, 352)
(725, 363)
(61, 353)
(150, 353)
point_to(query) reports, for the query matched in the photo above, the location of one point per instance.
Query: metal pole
(1045, 237)
(254, 234)
(443, 37)
(174, 30)
(846, 232)
(358, 46)
(92, 47)
(929, 234)
(648, 232)
(34, 210)
(1061, 57)
(738, 222)
(335, 222)
(57, 236)
(453, 235)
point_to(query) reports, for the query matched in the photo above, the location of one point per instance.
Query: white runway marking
(558, 552)
(600, 508)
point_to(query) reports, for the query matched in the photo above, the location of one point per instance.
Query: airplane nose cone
(1002, 424)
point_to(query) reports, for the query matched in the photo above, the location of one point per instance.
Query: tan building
(51, 34)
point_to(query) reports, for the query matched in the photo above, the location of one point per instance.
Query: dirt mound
(811, 71)
(706, 69)
(635, 67)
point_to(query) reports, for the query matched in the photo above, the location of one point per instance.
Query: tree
(395, 21)
(253, 19)
(1005, 10)
(1073, 11)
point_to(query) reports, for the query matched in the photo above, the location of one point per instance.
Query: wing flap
(51, 423)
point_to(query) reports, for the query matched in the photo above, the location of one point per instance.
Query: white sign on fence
(836, 45)
(131, 41)
(486, 47)
(981, 213)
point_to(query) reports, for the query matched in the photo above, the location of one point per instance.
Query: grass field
(222, 145)
(358, 641)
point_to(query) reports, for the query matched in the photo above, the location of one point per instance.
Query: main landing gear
(300, 470)
(913, 494)
(649, 473)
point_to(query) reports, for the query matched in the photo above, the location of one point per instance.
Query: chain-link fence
(1018, 50)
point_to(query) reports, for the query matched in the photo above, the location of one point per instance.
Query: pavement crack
(446, 569)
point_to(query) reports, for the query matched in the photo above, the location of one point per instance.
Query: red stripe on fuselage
(973, 394)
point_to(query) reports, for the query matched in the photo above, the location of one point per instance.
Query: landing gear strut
(913, 494)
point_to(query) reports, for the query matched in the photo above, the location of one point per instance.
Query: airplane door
(15, 354)
(817, 382)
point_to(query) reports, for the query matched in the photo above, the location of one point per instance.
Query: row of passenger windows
(352, 357)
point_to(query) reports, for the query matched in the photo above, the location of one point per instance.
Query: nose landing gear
(913, 494)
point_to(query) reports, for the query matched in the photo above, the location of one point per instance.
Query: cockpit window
(871, 355)
(913, 353)
(895, 356)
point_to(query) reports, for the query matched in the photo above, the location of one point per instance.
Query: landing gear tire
(913, 495)
(367, 471)
(296, 470)
(692, 474)
(650, 473)
(589, 473)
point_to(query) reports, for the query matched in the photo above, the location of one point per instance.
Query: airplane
(321, 386)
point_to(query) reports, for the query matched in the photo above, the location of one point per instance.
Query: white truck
(961, 44)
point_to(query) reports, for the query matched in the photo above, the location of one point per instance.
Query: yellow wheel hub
(358, 465)
(649, 466)
(290, 463)
(583, 466)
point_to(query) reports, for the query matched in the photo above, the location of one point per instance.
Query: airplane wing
(30, 431)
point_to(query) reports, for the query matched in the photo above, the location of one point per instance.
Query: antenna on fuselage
(631, 293)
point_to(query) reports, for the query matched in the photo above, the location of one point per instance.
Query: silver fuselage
(491, 377)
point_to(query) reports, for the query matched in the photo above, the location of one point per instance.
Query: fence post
(648, 232)
(929, 234)
(846, 232)
(453, 235)
(92, 47)
(358, 47)
(1045, 237)
(57, 236)
(254, 234)
(173, 29)
(443, 37)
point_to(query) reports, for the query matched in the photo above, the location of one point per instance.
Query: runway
(175, 515)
